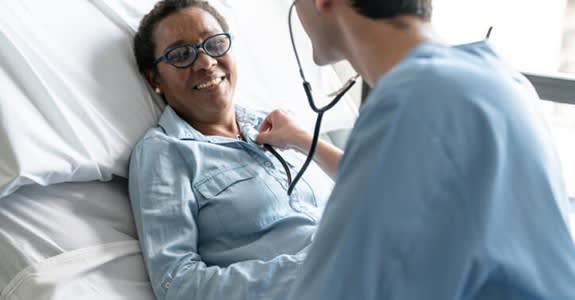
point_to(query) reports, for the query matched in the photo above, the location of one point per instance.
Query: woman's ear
(152, 79)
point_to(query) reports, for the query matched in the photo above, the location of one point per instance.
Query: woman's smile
(210, 84)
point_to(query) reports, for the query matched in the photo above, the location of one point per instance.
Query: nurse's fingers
(266, 125)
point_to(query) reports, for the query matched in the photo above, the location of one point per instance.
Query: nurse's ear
(324, 5)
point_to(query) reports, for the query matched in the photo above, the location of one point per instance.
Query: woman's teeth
(209, 84)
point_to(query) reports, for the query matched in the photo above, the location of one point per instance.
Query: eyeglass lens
(185, 55)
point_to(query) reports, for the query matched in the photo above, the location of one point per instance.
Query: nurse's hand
(280, 130)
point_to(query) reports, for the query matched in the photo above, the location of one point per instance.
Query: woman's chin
(221, 102)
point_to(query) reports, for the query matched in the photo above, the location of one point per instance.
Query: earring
(157, 90)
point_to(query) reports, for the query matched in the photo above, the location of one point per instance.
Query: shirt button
(268, 164)
(167, 285)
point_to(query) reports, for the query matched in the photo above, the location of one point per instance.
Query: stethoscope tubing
(319, 110)
(281, 160)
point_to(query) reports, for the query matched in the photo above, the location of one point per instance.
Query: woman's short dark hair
(144, 45)
(388, 9)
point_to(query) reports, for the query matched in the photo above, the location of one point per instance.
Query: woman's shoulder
(154, 140)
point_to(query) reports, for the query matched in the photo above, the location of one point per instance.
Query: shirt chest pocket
(238, 201)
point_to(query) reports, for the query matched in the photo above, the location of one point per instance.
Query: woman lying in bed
(210, 204)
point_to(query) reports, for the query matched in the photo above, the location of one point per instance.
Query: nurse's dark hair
(389, 9)
(144, 45)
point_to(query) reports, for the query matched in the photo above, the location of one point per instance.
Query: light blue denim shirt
(449, 189)
(213, 215)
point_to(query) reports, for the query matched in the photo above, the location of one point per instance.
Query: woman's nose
(204, 61)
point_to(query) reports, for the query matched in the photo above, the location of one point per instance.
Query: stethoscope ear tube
(319, 111)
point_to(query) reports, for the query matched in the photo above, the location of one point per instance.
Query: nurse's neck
(374, 47)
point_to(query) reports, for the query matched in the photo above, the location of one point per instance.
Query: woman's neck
(225, 125)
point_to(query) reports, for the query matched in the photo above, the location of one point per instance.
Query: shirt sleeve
(165, 211)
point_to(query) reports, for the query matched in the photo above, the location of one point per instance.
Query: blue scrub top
(450, 188)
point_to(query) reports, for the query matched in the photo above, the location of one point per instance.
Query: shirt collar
(248, 121)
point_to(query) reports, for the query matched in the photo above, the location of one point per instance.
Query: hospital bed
(72, 105)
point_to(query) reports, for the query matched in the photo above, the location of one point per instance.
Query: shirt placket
(273, 167)
(265, 160)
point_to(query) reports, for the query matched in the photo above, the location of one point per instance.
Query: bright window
(535, 36)
(561, 120)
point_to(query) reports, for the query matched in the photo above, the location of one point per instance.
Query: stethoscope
(319, 110)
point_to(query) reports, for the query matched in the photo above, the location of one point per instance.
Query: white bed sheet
(113, 271)
(40, 225)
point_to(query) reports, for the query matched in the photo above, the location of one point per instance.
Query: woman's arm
(166, 214)
(279, 130)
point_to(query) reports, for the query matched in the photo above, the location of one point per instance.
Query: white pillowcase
(72, 103)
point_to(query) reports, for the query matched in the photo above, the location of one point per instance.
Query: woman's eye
(217, 46)
(179, 54)
(214, 46)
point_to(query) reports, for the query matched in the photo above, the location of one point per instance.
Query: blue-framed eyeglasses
(183, 56)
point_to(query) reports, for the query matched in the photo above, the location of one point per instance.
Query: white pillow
(72, 103)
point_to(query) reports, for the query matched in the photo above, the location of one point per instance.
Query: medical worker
(449, 187)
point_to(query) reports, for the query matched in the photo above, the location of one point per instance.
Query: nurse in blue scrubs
(449, 187)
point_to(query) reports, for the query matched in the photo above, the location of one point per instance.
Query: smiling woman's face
(204, 91)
